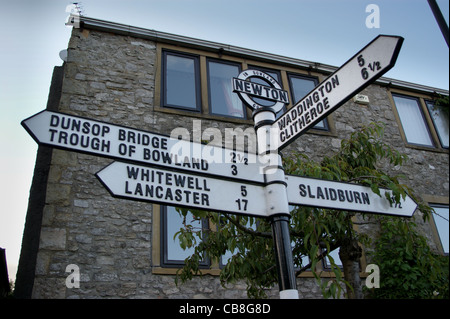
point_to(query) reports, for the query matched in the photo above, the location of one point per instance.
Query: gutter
(164, 37)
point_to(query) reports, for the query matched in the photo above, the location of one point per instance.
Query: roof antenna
(78, 8)
(75, 9)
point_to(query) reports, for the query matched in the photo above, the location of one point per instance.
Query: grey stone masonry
(111, 77)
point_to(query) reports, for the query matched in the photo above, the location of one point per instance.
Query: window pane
(439, 114)
(180, 82)
(441, 221)
(412, 120)
(229, 254)
(337, 260)
(300, 86)
(221, 97)
(173, 224)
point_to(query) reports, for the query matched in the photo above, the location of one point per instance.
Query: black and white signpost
(165, 170)
(365, 67)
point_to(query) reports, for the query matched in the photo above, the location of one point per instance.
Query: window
(168, 256)
(413, 121)
(337, 260)
(222, 100)
(440, 118)
(193, 82)
(181, 88)
(229, 254)
(300, 86)
(172, 255)
(441, 221)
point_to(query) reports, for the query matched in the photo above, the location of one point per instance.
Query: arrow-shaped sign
(183, 190)
(313, 192)
(104, 139)
(365, 67)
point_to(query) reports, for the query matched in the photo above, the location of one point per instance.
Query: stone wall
(111, 78)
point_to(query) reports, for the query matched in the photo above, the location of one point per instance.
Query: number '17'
(242, 204)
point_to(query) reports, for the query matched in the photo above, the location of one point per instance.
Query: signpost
(193, 175)
(357, 73)
(363, 68)
(180, 189)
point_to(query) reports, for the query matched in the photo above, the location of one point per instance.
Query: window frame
(212, 267)
(174, 263)
(428, 121)
(316, 81)
(427, 104)
(196, 59)
(245, 63)
(438, 235)
(326, 264)
(423, 118)
(208, 77)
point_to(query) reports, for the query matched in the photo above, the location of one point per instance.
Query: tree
(314, 232)
(410, 268)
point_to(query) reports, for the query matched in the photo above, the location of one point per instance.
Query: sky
(33, 33)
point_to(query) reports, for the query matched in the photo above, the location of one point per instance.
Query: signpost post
(276, 197)
(193, 175)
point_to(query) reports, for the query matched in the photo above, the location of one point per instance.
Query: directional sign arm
(374, 60)
(104, 139)
(182, 189)
(305, 191)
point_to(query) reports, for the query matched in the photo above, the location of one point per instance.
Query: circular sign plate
(248, 90)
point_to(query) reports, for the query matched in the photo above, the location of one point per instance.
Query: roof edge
(119, 28)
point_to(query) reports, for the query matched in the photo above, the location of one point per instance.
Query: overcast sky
(325, 31)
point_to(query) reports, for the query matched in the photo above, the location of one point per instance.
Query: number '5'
(361, 61)
(243, 191)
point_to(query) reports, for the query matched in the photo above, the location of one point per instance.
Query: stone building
(157, 82)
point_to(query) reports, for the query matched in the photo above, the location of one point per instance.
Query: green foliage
(314, 232)
(442, 102)
(248, 239)
(408, 267)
